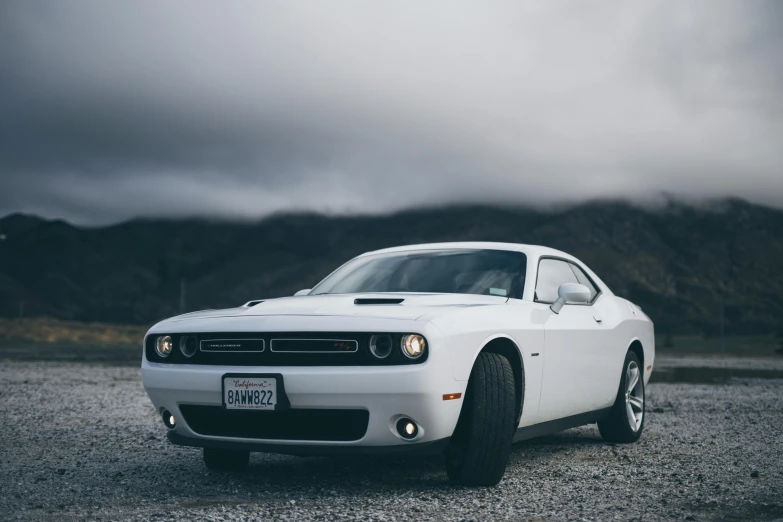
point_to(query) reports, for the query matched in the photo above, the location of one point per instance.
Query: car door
(605, 365)
(574, 351)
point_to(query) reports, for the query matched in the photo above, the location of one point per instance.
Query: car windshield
(483, 272)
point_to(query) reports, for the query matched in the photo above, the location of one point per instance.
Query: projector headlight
(413, 346)
(188, 345)
(381, 345)
(164, 345)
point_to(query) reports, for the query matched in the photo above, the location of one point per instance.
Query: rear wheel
(626, 420)
(226, 460)
(478, 452)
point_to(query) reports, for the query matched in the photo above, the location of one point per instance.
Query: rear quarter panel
(625, 323)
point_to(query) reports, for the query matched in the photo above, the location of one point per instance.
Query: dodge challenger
(454, 349)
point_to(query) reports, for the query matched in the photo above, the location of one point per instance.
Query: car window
(551, 274)
(583, 279)
(485, 272)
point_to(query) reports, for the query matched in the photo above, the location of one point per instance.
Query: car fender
(465, 337)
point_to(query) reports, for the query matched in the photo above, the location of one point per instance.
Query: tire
(618, 426)
(479, 448)
(226, 460)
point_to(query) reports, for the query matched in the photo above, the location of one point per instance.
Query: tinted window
(551, 274)
(486, 272)
(582, 278)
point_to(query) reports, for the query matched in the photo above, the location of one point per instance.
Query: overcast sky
(110, 110)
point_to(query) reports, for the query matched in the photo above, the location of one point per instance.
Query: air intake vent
(294, 424)
(251, 304)
(378, 301)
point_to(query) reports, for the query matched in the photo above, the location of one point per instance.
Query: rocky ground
(80, 441)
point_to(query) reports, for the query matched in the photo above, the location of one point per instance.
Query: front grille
(281, 349)
(232, 345)
(314, 345)
(293, 424)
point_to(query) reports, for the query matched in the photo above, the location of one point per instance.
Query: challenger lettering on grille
(232, 345)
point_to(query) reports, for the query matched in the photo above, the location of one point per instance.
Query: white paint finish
(577, 368)
(582, 359)
(467, 332)
(414, 305)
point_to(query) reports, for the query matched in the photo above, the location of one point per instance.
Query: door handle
(597, 319)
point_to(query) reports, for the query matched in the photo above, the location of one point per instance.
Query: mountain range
(685, 265)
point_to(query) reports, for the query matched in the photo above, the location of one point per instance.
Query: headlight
(164, 345)
(381, 345)
(188, 345)
(413, 346)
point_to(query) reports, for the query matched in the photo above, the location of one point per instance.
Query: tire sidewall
(481, 443)
(620, 404)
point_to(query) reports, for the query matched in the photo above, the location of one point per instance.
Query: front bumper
(387, 393)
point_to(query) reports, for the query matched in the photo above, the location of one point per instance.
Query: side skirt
(545, 428)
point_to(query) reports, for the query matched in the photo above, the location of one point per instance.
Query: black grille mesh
(293, 424)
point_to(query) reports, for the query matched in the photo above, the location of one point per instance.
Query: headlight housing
(381, 345)
(188, 345)
(164, 345)
(369, 348)
(413, 346)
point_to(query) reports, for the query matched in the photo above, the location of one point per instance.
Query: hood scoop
(377, 301)
(251, 304)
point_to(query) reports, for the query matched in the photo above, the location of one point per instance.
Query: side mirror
(570, 293)
(302, 292)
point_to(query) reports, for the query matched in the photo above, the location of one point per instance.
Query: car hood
(387, 306)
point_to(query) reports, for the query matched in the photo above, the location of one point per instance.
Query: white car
(457, 349)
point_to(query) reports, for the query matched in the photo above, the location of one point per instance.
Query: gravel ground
(82, 442)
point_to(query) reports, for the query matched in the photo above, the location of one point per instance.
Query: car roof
(534, 251)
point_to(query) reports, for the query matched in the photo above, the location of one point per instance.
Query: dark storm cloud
(110, 110)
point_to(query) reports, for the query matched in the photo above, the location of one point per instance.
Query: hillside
(677, 262)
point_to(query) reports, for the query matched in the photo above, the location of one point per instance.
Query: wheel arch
(636, 347)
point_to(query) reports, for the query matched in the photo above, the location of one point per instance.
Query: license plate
(249, 393)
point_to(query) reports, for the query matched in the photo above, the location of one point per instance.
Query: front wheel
(626, 419)
(226, 460)
(479, 449)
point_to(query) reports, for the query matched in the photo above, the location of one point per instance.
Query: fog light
(164, 345)
(407, 428)
(413, 346)
(168, 419)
